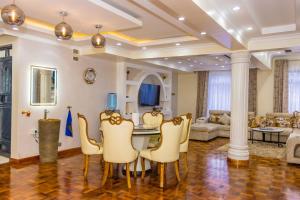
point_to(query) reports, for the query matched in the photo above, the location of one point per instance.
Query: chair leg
(105, 174)
(84, 163)
(111, 170)
(158, 168)
(135, 165)
(162, 171)
(176, 165)
(186, 161)
(86, 166)
(128, 175)
(143, 167)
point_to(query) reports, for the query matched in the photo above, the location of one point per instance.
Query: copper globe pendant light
(12, 15)
(98, 40)
(63, 31)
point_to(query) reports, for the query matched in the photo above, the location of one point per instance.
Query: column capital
(240, 57)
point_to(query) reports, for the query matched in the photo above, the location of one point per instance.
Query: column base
(237, 163)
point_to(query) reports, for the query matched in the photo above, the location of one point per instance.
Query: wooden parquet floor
(209, 177)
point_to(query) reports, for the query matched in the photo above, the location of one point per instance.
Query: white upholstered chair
(88, 146)
(168, 149)
(106, 115)
(117, 145)
(184, 140)
(153, 119)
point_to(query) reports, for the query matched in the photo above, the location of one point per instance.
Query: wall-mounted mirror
(43, 86)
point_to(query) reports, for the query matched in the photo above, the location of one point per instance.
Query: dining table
(140, 140)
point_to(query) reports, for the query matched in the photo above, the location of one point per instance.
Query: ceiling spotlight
(177, 44)
(181, 18)
(230, 31)
(179, 62)
(217, 57)
(201, 63)
(12, 15)
(98, 40)
(203, 33)
(249, 28)
(166, 58)
(216, 64)
(144, 48)
(236, 8)
(119, 44)
(63, 30)
(191, 65)
(222, 66)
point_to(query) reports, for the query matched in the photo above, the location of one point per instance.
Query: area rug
(262, 149)
(3, 160)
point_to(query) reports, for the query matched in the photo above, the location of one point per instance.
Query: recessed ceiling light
(279, 52)
(177, 44)
(119, 44)
(211, 12)
(181, 18)
(236, 8)
(191, 65)
(166, 58)
(216, 64)
(222, 66)
(217, 57)
(201, 63)
(230, 31)
(179, 62)
(203, 33)
(144, 48)
(249, 28)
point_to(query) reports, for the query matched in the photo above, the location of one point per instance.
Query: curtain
(294, 86)
(281, 86)
(219, 90)
(252, 90)
(201, 105)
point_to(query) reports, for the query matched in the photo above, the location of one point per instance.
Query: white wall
(72, 90)
(187, 93)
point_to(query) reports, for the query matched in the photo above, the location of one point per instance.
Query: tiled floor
(209, 177)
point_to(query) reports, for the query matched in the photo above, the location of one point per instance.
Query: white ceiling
(154, 25)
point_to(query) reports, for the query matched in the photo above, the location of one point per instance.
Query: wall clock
(89, 75)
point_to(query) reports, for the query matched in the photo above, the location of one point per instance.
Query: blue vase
(112, 101)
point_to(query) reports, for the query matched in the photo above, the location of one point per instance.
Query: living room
(163, 99)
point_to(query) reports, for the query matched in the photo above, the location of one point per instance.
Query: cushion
(284, 122)
(214, 118)
(258, 121)
(224, 119)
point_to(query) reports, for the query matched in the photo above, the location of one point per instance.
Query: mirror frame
(31, 86)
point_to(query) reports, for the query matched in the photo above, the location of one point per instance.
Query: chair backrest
(107, 114)
(86, 145)
(153, 118)
(168, 150)
(117, 144)
(186, 129)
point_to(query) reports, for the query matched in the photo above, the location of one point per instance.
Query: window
(219, 90)
(294, 86)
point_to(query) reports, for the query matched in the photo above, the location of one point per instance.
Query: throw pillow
(224, 119)
(213, 119)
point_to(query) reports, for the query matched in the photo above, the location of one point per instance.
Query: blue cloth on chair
(69, 131)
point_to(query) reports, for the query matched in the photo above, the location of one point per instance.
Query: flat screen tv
(149, 95)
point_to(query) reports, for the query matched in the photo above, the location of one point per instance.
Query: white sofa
(204, 130)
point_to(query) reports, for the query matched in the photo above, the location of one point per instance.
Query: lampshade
(63, 31)
(12, 15)
(98, 40)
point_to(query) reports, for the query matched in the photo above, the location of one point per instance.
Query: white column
(238, 147)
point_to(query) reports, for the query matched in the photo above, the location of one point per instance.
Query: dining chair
(153, 119)
(117, 145)
(89, 146)
(106, 115)
(184, 139)
(168, 149)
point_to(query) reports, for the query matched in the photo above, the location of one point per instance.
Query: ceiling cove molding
(117, 11)
(274, 42)
(221, 20)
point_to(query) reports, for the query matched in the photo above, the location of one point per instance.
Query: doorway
(5, 100)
